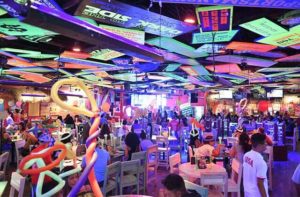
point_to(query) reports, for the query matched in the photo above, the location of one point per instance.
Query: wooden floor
(282, 173)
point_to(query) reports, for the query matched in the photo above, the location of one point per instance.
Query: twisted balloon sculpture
(91, 155)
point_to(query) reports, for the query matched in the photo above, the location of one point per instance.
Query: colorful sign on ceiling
(208, 48)
(282, 40)
(224, 68)
(173, 45)
(215, 18)
(105, 54)
(2, 11)
(36, 38)
(172, 67)
(250, 46)
(287, 4)
(13, 27)
(263, 27)
(195, 70)
(292, 58)
(207, 37)
(39, 56)
(124, 15)
(279, 69)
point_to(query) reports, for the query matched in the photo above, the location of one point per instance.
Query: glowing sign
(13, 27)
(105, 54)
(125, 15)
(20, 50)
(36, 38)
(263, 27)
(207, 37)
(80, 55)
(134, 35)
(195, 70)
(39, 56)
(172, 67)
(215, 18)
(173, 45)
(282, 40)
(208, 48)
(224, 68)
(250, 46)
(288, 4)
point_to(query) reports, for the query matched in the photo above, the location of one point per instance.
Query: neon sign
(288, 4)
(124, 15)
(219, 36)
(215, 18)
(263, 27)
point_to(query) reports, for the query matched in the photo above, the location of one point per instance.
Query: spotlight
(76, 47)
(189, 20)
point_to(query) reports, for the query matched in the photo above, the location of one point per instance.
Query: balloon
(57, 188)
(42, 154)
(105, 107)
(19, 103)
(94, 113)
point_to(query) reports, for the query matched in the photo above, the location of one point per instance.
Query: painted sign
(241, 46)
(13, 27)
(173, 45)
(36, 38)
(128, 16)
(282, 40)
(263, 27)
(215, 18)
(207, 37)
(195, 70)
(105, 54)
(287, 4)
(172, 67)
(208, 48)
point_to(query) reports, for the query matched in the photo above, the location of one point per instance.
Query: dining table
(191, 171)
(170, 138)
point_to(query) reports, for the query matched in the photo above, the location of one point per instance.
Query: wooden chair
(19, 144)
(152, 164)
(3, 164)
(142, 157)
(163, 150)
(112, 178)
(234, 183)
(175, 160)
(199, 189)
(292, 140)
(269, 160)
(216, 179)
(17, 183)
(130, 175)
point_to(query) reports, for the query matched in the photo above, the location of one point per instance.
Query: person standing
(255, 168)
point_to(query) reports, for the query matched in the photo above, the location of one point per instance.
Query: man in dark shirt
(132, 143)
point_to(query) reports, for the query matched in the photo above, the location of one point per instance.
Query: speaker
(194, 97)
(126, 86)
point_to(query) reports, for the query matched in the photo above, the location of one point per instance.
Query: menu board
(187, 111)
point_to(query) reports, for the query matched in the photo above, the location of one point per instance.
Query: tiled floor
(282, 184)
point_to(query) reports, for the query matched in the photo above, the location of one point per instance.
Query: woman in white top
(238, 150)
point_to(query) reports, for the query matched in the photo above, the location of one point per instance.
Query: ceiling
(154, 63)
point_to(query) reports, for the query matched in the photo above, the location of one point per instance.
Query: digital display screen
(225, 94)
(275, 94)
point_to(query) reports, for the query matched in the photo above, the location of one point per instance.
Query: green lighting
(13, 27)
(207, 37)
(20, 51)
(2, 12)
(39, 56)
(263, 27)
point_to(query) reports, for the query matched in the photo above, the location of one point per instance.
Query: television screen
(275, 94)
(225, 94)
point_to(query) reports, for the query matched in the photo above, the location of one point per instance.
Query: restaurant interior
(163, 98)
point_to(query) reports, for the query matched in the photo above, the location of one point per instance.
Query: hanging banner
(207, 37)
(286, 4)
(215, 18)
(124, 15)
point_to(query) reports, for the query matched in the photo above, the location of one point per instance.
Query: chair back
(219, 179)
(3, 161)
(112, 178)
(17, 183)
(130, 175)
(152, 154)
(237, 170)
(174, 160)
(19, 144)
(142, 157)
(162, 141)
(199, 189)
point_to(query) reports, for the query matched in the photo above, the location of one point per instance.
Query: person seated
(6, 142)
(238, 131)
(71, 180)
(243, 146)
(174, 186)
(136, 125)
(66, 140)
(123, 131)
(103, 159)
(30, 141)
(105, 130)
(132, 143)
(145, 143)
(207, 149)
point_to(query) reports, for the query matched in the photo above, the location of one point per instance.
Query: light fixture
(76, 47)
(189, 20)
